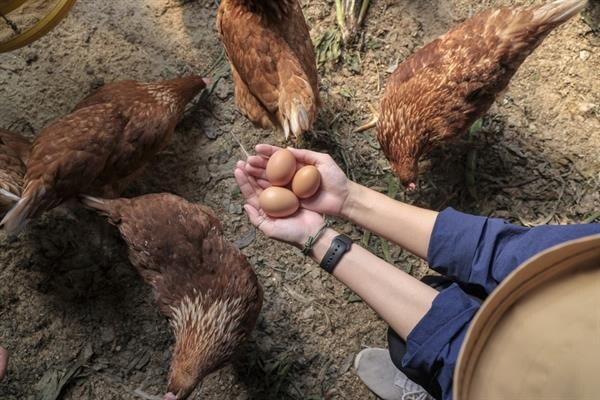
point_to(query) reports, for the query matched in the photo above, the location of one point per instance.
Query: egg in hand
(278, 201)
(281, 167)
(306, 182)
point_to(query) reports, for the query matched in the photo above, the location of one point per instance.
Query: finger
(3, 362)
(309, 157)
(254, 183)
(240, 164)
(248, 190)
(263, 183)
(259, 173)
(266, 149)
(254, 216)
(258, 162)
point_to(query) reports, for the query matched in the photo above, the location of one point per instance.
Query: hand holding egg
(278, 201)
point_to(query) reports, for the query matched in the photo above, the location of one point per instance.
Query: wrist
(352, 201)
(322, 244)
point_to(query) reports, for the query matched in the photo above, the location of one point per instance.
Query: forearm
(397, 297)
(408, 226)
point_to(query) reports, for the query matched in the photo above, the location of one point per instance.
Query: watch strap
(340, 245)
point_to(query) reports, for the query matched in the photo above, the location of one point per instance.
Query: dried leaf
(246, 240)
(54, 381)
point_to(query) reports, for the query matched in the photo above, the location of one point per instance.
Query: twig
(240, 144)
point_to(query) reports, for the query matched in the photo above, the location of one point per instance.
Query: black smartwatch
(341, 245)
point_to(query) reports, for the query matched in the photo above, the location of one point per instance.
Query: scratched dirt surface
(78, 321)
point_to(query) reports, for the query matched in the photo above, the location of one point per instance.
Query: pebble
(31, 57)
(235, 208)
(107, 335)
(585, 107)
(308, 313)
(584, 55)
(96, 83)
(203, 174)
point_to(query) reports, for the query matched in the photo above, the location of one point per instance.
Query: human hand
(294, 229)
(332, 197)
(3, 362)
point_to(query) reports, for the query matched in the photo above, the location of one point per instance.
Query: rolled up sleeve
(434, 344)
(483, 251)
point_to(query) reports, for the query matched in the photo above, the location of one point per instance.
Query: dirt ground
(75, 315)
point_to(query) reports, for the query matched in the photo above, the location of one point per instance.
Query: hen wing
(111, 93)
(67, 158)
(165, 235)
(249, 105)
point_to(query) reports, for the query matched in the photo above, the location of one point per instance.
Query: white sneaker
(376, 369)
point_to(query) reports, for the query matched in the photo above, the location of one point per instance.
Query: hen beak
(207, 82)
(170, 396)
(411, 187)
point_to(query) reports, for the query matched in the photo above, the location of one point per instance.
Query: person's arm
(408, 226)
(397, 297)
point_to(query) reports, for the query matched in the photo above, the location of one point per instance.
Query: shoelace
(418, 395)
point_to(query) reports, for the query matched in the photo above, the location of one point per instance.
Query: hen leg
(249, 105)
(372, 123)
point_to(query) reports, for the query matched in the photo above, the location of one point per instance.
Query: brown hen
(438, 92)
(201, 282)
(102, 145)
(272, 61)
(14, 151)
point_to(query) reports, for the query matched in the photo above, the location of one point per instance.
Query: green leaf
(476, 127)
(385, 249)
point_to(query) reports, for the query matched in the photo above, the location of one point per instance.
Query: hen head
(207, 332)
(407, 170)
(403, 146)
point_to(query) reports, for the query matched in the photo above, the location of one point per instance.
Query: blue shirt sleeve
(483, 251)
(434, 344)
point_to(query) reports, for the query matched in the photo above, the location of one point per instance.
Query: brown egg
(306, 182)
(281, 167)
(278, 202)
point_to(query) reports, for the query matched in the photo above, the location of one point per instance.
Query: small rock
(203, 174)
(107, 335)
(585, 108)
(31, 57)
(584, 55)
(96, 83)
(308, 313)
(235, 208)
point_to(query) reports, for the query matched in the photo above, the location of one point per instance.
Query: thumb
(308, 157)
